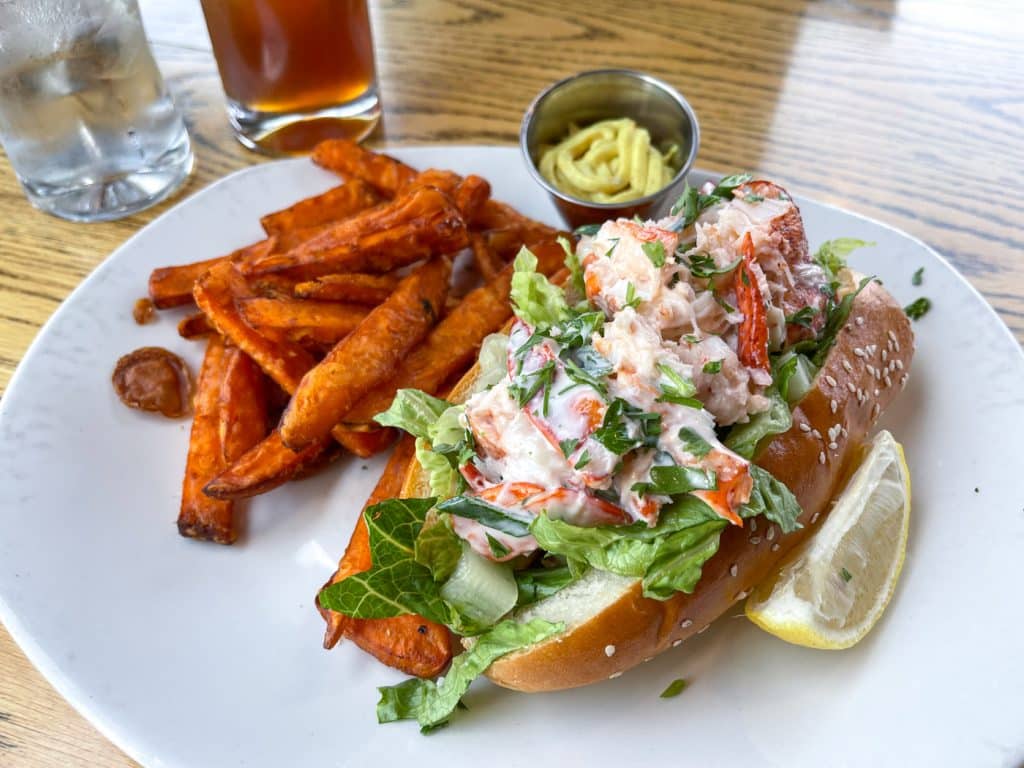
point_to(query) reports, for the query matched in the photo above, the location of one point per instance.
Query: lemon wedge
(836, 585)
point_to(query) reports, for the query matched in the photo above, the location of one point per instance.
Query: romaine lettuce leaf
(744, 438)
(430, 703)
(535, 300)
(443, 477)
(493, 361)
(667, 557)
(413, 411)
(395, 584)
(771, 498)
(438, 548)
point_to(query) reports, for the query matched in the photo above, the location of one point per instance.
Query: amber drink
(294, 71)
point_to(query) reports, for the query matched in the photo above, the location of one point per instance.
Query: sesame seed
(843, 432)
(833, 431)
(892, 334)
(903, 380)
(877, 393)
(741, 595)
(814, 519)
(875, 411)
(871, 369)
(834, 406)
(613, 675)
(871, 349)
(677, 643)
(859, 320)
(805, 427)
(831, 380)
(753, 524)
(899, 364)
(833, 445)
(755, 540)
(889, 345)
(847, 367)
(858, 352)
(686, 623)
(775, 547)
(771, 533)
(733, 569)
(849, 386)
(878, 374)
(888, 381)
(896, 345)
(885, 355)
(609, 650)
(816, 433)
(821, 457)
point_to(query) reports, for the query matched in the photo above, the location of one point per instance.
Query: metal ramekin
(587, 97)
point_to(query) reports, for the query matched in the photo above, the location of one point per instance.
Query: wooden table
(906, 111)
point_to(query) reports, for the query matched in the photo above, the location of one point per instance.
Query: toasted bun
(611, 627)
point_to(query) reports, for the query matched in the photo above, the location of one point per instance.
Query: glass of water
(85, 117)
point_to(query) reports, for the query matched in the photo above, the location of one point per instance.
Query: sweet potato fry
(242, 405)
(338, 317)
(352, 161)
(282, 360)
(451, 345)
(357, 287)
(201, 517)
(410, 643)
(497, 215)
(410, 228)
(262, 468)
(336, 203)
(367, 357)
(470, 196)
(195, 326)
(487, 262)
(172, 286)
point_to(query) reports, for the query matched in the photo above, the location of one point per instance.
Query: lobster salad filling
(612, 428)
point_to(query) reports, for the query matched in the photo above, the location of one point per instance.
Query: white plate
(191, 654)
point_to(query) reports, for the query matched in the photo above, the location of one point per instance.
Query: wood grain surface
(911, 112)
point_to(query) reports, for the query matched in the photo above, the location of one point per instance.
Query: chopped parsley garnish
(676, 389)
(498, 549)
(703, 266)
(752, 198)
(568, 446)
(583, 460)
(693, 443)
(845, 575)
(586, 230)
(655, 252)
(804, 317)
(918, 277)
(918, 308)
(691, 203)
(674, 689)
(526, 385)
(673, 480)
(615, 244)
(626, 427)
(632, 300)
(712, 366)
(723, 303)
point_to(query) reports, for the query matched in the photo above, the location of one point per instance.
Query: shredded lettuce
(493, 361)
(831, 254)
(668, 557)
(771, 498)
(744, 438)
(413, 411)
(572, 263)
(444, 478)
(535, 300)
(438, 547)
(432, 703)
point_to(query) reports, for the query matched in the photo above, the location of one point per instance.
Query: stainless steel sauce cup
(600, 94)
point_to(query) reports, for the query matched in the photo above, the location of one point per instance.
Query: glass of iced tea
(295, 72)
